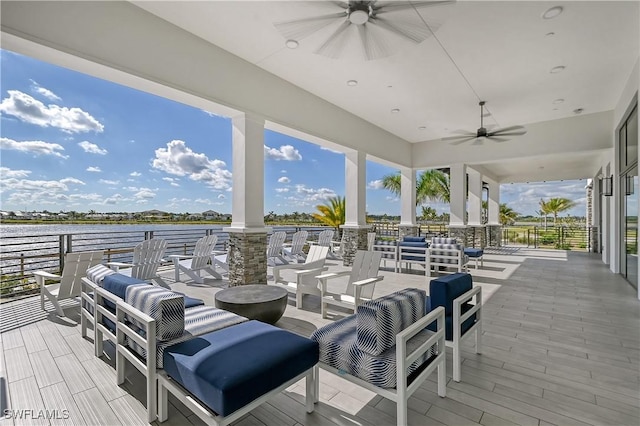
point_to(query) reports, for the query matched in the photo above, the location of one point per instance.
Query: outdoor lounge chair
(147, 257)
(69, 286)
(385, 347)
(444, 254)
(463, 306)
(274, 248)
(294, 252)
(199, 261)
(362, 280)
(305, 281)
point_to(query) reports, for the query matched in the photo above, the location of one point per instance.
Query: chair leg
(401, 413)
(163, 402)
(56, 304)
(316, 384)
(456, 361)
(442, 378)
(310, 391)
(479, 338)
(298, 299)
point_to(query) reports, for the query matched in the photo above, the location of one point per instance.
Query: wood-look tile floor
(561, 346)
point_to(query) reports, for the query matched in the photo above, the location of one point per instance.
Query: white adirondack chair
(194, 264)
(75, 267)
(337, 247)
(274, 248)
(305, 274)
(325, 237)
(371, 240)
(362, 280)
(298, 241)
(147, 257)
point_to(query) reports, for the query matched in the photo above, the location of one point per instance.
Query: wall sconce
(607, 186)
(629, 185)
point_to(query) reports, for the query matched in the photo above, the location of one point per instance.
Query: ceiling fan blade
(395, 6)
(463, 132)
(509, 131)
(333, 46)
(410, 31)
(478, 141)
(497, 139)
(298, 29)
(457, 140)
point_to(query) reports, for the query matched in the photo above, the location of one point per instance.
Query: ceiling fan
(372, 20)
(482, 133)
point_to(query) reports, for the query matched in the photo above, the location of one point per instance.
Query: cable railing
(21, 255)
(578, 238)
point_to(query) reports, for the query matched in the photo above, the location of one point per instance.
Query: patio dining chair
(69, 282)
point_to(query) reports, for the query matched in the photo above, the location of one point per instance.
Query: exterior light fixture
(607, 186)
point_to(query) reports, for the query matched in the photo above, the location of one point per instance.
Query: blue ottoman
(229, 368)
(475, 253)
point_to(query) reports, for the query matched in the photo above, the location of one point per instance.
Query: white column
(458, 194)
(493, 214)
(355, 188)
(408, 196)
(248, 172)
(474, 205)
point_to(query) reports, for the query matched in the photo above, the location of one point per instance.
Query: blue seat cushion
(117, 284)
(190, 302)
(413, 239)
(448, 320)
(473, 252)
(420, 249)
(229, 368)
(443, 290)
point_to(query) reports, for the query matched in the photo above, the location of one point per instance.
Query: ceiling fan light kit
(482, 133)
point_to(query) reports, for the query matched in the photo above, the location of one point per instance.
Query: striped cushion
(198, 320)
(97, 273)
(450, 256)
(379, 320)
(339, 349)
(443, 240)
(165, 306)
(388, 248)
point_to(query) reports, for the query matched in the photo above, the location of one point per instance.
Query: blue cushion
(117, 284)
(473, 252)
(229, 368)
(190, 302)
(423, 244)
(419, 249)
(448, 321)
(443, 290)
(411, 239)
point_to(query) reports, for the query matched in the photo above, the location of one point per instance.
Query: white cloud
(30, 110)
(88, 197)
(178, 159)
(305, 196)
(202, 201)
(221, 197)
(109, 182)
(282, 189)
(375, 184)
(33, 147)
(324, 148)
(13, 184)
(114, 199)
(285, 153)
(135, 174)
(284, 179)
(44, 92)
(94, 169)
(92, 148)
(283, 171)
(525, 197)
(169, 179)
(144, 193)
(72, 180)
(6, 172)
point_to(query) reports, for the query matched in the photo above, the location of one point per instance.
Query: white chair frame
(305, 274)
(444, 255)
(403, 391)
(147, 257)
(193, 265)
(474, 296)
(294, 250)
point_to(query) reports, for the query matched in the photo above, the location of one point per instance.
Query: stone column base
(247, 258)
(494, 235)
(355, 238)
(595, 244)
(476, 236)
(407, 230)
(460, 233)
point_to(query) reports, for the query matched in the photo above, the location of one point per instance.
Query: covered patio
(561, 346)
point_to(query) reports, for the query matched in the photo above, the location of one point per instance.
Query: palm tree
(555, 206)
(332, 213)
(431, 185)
(507, 214)
(429, 213)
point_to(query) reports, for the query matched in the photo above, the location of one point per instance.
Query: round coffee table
(254, 301)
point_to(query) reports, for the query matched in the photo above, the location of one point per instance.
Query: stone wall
(476, 237)
(354, 239)
(460, 233)
(494, 235)
(247, 258)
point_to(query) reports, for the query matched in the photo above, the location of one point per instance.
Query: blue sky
(74, 142)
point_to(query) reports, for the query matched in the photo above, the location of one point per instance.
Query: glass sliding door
(629, 258)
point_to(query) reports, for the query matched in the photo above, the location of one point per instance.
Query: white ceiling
(494, 51)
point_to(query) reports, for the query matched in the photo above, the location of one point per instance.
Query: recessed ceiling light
(291, 44)
(389, 87)
(552, 12)
(395, 111)
(578, 110)
(558, 101)
(422, 128)
(352, 83)
(557, 69)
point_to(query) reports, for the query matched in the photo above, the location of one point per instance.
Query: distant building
(214, 215)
